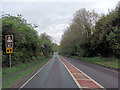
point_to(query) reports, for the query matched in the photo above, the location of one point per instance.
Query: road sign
(41, 53)
(9, 46)
(9, 50)
(9, 41)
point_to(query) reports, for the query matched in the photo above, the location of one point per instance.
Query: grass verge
(109, 62)
(14, 80)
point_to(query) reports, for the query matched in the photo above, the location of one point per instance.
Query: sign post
(9, 46)
(10, 59)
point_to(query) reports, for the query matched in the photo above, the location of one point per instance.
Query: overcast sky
(53, 16)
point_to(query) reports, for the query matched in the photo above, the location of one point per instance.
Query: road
(106, 77)
(63, 72)
(53, 75)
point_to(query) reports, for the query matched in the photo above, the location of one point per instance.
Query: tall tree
(78, 34)
(27, 43)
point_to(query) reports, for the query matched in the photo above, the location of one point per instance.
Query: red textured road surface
(81, 79)
(64, 72)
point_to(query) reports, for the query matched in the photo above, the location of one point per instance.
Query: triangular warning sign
(9, 38)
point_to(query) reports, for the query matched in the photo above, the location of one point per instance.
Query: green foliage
(109, 62)
(47, 46)
(55, 47)
(13, 76)
(114, 40)
(76, 38)
(27, 43)
(106, 37)
(91, 34)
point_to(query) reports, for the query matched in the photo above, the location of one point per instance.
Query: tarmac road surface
(64, 72)
(53, 75)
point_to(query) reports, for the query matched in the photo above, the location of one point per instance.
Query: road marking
(71, 75)
(75, 79)
(110, 70)
(78, 73)
(88, 77)
(82, 79)
(34, 75)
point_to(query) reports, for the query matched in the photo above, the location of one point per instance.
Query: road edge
(83, 73)
(78, 85)
(102, 66)
(31, 77)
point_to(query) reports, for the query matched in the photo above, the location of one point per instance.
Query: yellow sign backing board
(9, 50)
(41, 54)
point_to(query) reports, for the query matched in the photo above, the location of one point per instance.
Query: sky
(53, 16)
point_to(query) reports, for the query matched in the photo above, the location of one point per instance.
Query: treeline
(91, 34)
(27, 43)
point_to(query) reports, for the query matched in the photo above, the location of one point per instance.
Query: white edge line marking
(71, 75)
(86, 75)
(110, 70)
(33, 75)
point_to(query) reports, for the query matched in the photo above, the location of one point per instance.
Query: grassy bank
(13, 76)
(109, 62)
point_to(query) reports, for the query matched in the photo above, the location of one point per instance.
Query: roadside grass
(21, 66)
(20, 72)
(109, 62)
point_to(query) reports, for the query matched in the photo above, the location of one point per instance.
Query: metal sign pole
(10, 59)
(9, 47)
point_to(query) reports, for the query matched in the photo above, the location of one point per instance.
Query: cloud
(53, 17)
(48, 1)
(55, 31)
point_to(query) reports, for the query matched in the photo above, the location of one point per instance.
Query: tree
(47, 46)
(106, 35)
(27, 43)
(77, 36)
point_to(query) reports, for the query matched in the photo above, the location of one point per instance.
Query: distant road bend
(63, 72)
